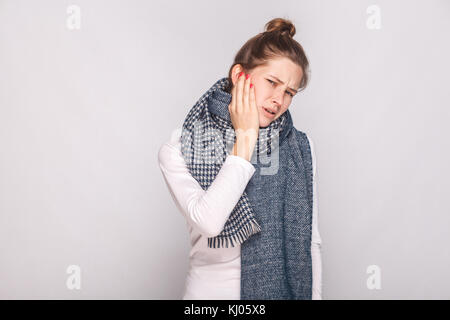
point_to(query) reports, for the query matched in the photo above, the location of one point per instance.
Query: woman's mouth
(268, 113)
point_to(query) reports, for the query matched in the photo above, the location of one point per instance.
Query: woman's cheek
(258, 99)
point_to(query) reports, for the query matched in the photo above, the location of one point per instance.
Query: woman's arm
(207, 211)
(315, 238)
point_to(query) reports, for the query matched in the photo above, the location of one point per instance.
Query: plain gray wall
(84, 111)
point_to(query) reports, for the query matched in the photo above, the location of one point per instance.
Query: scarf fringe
(248, 230)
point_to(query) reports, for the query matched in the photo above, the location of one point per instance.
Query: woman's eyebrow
(282, 82)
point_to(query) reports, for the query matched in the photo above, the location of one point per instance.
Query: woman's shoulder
(302, 137)
(305, 139)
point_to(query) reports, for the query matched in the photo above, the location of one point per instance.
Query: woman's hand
(244, 116)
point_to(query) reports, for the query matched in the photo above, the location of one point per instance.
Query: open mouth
(268, 112)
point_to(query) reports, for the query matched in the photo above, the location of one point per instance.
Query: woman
(253, 229)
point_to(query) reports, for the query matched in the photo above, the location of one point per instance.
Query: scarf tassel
(242, 235)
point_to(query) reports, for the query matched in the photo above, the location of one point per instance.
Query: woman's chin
(264, 123)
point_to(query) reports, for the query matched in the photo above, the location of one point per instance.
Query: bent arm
(207, 211)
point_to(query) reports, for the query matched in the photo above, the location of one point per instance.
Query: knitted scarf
(272, 219)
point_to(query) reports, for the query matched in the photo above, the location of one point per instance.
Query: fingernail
(251, 85)
(240, 74)
(248, 75)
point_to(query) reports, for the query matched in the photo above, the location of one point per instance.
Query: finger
(246, 93)
(253, 105)
(239, 93)
(252, 99)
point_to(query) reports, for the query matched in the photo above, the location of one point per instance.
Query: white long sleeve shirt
(214, 273)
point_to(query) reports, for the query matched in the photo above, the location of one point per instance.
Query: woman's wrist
(243, 148)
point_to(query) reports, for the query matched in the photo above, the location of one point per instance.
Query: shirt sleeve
(207, 211)
(316, 241)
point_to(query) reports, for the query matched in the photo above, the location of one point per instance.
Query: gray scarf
(272, 220)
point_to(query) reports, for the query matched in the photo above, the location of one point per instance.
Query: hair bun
(281, 25)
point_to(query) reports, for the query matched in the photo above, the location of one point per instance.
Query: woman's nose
(277, 99)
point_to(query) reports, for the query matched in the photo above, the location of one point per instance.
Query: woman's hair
(275, 42)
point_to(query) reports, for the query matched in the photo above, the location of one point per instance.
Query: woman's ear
(237, 69)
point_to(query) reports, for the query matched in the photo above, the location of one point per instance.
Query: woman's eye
(273, 82)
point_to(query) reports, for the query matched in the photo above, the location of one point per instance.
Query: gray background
(83, 113)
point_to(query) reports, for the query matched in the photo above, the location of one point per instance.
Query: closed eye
(273, 82)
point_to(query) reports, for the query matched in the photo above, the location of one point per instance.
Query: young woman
(254, 232)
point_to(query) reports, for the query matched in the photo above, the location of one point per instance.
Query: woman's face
(275, 85)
